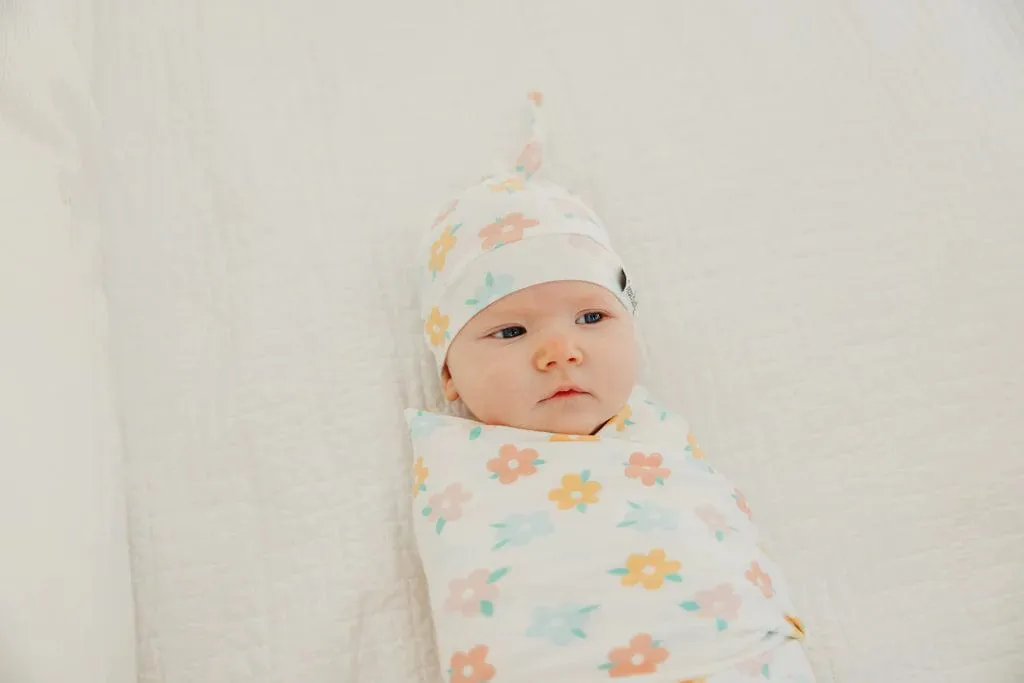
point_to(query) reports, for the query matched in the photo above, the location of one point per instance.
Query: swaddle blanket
(577, 558)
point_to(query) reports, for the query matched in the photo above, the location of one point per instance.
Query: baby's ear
(448, 384)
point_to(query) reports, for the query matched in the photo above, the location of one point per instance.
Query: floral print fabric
(615, 556)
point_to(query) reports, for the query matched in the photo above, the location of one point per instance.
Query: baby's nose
(555, 351)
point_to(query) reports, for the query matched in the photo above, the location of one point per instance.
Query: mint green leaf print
(765, 672)
(497, 574)
(722, 624)
(690, 606)
(628, 522)
(475, 433)
(498, 525)
(589, 608)
(493, 476)
(471, 302)
(631, 503)
(486, 608)
(673, 577)
(585, 475)
(621, 571)
(578, 632)
(582, 507)
(538, 461)
(489, 280)
(455, 228)
(501, 544)
(439, 527)
(603, 667)
(426, 511)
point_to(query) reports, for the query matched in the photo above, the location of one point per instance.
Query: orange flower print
(445, 212)
(420, 472)
(530, 158)
(513, 463)
(471, 667)
(446, 506)
(577, 491)
(741, 503)
(621, 421)
(439, 250)
(650, 570)
(647, 468)
(535, 96)
(507, 229)
(510, 185)
(642, 657)
(694, 446)
(756, 576)
(574, 437)
(798, 627)
(436, 327)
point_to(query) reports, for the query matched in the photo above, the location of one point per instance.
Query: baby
(573, 530)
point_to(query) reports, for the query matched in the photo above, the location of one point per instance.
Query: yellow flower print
(621, 421)
(512, 184)
(577, 492)
(436, 327)
(574, 437)
(420, 472)
(694, 446)
(650, 570)
(798, 627)
(439, 250)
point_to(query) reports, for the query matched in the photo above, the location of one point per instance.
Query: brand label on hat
(627, 289)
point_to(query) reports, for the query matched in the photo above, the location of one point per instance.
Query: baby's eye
(590, 318)
(509, 332)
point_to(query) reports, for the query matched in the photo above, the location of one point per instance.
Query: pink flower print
(715, 520)
(446, 506)
(586, 244)
(760, 579)
(757, 666)
(507, 229)
(647, 468)
(475, 594)
(720, 603)
(741, 503)
(530, 158)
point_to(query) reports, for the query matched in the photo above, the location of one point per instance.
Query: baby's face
(557, 357)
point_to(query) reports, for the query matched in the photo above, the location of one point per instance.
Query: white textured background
(823, 205)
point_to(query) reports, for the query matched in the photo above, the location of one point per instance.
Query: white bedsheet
(822, 204)
(65, 590)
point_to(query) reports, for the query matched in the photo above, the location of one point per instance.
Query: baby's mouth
(563, 392)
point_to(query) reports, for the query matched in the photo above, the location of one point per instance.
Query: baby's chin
(582, 421)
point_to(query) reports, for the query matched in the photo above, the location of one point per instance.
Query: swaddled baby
(572, 531)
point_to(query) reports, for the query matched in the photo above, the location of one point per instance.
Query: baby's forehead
(551, 296)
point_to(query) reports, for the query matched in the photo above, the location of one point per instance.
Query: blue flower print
(493, 288)
(424, 424)
(649, 516)
(518, 530)
(562, 624)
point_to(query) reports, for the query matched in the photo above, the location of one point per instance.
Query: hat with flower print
(512, 231)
